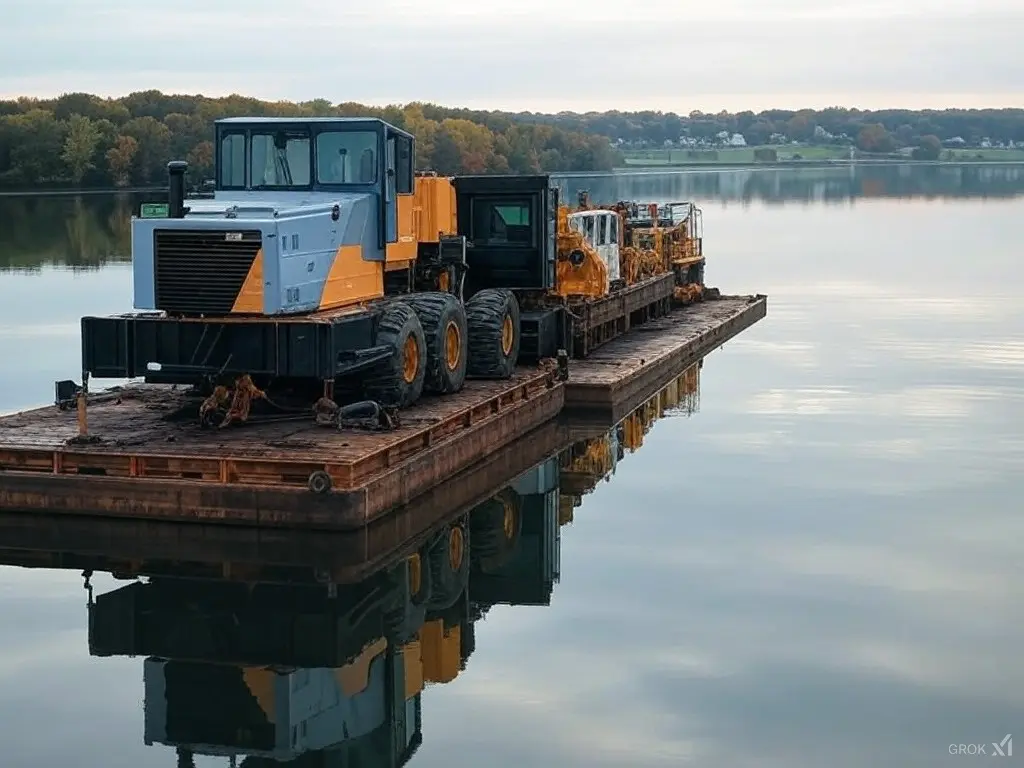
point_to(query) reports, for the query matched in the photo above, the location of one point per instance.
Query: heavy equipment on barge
(325, 266)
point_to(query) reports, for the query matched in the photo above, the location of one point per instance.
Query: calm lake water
(821, 566)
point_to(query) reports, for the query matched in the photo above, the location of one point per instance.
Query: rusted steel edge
(397, 487)
(244, 554)
(618, 395)
(258, 472)
(633, 298)
(269, 506)
(402, 531)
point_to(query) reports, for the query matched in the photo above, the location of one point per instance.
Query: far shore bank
(634, 167)
(75, 192)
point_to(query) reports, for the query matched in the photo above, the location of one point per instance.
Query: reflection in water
(89, 231)
(805, 185)
(82, 233)
(302, 670)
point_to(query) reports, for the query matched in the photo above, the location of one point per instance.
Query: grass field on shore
(741, 155)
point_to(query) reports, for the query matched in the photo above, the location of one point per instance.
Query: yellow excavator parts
(579, 270)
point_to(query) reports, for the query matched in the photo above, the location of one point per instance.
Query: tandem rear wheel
(398, 381)
(494, 334)
(445, 328)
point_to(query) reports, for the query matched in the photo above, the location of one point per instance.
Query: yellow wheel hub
(508, 524)
(452, 345)
(410, 360)
(456, 547)
(507, 335)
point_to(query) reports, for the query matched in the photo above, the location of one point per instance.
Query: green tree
(200, 162)
(36, 143)
(928, 148)
(80, 147)
(153, 148)
(121, 158)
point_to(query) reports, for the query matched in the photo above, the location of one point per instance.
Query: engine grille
(200, 272)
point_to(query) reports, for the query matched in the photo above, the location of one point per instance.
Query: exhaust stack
(176, 188)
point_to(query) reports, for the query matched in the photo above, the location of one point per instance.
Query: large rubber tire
(493, 317)
(387, 382)
(495, 528)
(449, 556)
(446, 331)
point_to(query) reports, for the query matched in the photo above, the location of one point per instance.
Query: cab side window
(403, 165)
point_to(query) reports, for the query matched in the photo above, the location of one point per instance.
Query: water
(821, 566)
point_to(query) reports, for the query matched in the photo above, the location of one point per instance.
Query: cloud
(523, 56)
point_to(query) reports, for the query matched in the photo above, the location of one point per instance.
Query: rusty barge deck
(650, 355)
(143, 465)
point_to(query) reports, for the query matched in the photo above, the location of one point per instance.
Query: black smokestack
(176, 188)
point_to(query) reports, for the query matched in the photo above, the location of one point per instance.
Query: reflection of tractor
(585, 463)
(523, 569)
(319, 674)
(276, 671)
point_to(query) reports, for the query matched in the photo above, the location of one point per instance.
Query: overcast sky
(544, 55)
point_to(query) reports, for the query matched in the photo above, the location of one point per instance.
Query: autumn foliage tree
(84, 140)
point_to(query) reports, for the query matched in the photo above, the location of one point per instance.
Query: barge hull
(144, 466)
(152, 547)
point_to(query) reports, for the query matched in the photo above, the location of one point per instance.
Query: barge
(146, 457)
(324, 340)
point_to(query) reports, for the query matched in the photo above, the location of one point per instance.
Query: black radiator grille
(200, 272)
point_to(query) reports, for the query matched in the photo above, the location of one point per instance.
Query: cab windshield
(286, 158)
(279, 159)
(346, 157)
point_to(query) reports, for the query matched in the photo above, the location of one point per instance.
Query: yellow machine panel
(354, 677)
(351, 279)
(434, 211)
(442, 651)
(413, 657)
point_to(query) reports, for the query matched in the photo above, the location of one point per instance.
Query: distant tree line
(83, 140)
(880, 131)
(79, 139)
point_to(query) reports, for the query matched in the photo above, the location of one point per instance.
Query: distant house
(737, 140)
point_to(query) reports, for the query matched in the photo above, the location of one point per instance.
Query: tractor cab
(315, 160)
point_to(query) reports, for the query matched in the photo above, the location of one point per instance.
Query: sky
(538, 55)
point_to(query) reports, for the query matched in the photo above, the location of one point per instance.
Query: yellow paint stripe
(250, 297)
(261, 685)
(355, 676)
(352, 279)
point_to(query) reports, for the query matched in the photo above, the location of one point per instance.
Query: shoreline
(688, 167)
(74, 192)
(727, 165)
